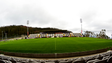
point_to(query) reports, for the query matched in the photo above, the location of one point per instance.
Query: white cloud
(63, 14)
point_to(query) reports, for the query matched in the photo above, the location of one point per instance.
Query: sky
(62, 14)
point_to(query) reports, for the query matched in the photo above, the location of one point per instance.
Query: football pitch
(55, 45)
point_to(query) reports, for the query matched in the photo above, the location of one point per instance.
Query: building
(52, 35)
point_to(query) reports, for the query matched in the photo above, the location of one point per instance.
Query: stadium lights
(27, 28)
(2, 35)
(5, 36)
(81, 25)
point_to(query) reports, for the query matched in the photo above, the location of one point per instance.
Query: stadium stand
(43, 35)
(77, 34)
(105, 57)
(32, 35)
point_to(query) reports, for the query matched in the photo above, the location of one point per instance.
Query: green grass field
(55, 45)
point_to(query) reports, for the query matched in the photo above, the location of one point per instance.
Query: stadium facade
(52, 35)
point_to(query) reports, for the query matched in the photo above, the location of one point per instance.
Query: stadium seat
(50, 62)
(6, 58)
(79, 60)
(67, 61)
(101, 61)
(0, 57)
(13, 61)
(1, 61)
(34, 61)
(92, 61)
(106, 58)
(110, 53)
(56, 61)
(88, 58)
(109, 60)
(5, 61)
(98, 57)
(105, 54)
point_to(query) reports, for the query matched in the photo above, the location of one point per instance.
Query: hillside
(15, 31)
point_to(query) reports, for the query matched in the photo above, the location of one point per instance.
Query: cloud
(89, 16)
(92, 20)
(76, 30)
(61, 14)
(20, 15)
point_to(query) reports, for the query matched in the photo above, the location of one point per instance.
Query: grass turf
(55, 45)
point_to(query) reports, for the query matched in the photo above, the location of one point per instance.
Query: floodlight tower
(81, 25)
(5, 36)
(111, 36)
(2, 35)
(27, 28)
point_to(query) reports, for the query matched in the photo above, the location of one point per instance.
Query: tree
(88, 34)
(17, 31)
(102, 34)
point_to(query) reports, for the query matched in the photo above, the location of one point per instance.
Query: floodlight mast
(81, 25)
(2, 35)
(5, 36)
(27, 28)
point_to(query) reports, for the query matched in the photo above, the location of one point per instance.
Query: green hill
(15, 31)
